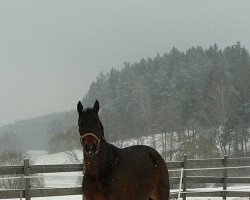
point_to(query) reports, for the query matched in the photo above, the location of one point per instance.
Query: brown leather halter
(93, 135)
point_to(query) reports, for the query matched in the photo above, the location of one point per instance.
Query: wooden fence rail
(195, 172)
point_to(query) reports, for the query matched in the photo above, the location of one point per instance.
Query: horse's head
(90, 129)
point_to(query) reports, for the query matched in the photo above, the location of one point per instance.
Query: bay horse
(133, 173)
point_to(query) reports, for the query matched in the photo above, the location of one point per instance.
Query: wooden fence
(194, 172)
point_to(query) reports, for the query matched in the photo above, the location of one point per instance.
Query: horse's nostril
(86, 146)
(89, 147)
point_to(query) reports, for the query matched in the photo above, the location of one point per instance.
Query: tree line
(34, 134)
(200, 97)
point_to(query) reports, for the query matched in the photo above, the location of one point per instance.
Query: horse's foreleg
(162, 190)
(161, 193)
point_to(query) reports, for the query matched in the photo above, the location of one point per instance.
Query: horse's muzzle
(90, 143)
(90, 150)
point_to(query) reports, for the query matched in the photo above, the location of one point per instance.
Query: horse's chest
(98, 195)
(97, 191)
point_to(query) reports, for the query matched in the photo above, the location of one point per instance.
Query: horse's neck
(95, 165)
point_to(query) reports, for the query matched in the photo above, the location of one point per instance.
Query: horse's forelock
(90, 116)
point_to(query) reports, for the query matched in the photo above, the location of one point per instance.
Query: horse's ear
(79, 108)
(96, 106)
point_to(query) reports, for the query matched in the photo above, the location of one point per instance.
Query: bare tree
(69, 143)
(170, 121)
(144, 101)
(219, 106)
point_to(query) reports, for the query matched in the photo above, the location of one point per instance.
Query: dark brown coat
(132, 173)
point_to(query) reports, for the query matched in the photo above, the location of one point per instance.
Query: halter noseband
(93, 135)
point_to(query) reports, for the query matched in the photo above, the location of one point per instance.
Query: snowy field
(73, 179)
(77, 197)
(58, 180)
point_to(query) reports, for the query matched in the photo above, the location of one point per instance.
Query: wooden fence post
(27, 180)
(21, 188)
(225, 178)
(184, 176)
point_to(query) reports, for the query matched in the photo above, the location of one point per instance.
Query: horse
(132, 173)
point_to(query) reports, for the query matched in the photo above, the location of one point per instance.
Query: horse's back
(145, 167)
(142, 153)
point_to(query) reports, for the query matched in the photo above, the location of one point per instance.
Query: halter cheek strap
(93, 135)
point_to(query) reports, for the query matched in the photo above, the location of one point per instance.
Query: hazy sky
(51, 50)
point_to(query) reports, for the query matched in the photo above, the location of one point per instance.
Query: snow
(147, 140)
(62, 179)
(72, 197)
(72, 179)
(79, 197)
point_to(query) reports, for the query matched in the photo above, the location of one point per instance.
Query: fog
(50, 51)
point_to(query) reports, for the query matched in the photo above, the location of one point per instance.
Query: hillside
(35, 133)
(204, 92)
(201, 95)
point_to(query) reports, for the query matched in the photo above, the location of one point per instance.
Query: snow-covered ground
(62, 179)
(146, 140)
(77, 197)
(72, 179)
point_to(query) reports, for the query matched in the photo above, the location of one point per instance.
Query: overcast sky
(51, 50)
